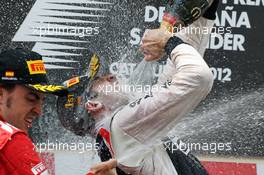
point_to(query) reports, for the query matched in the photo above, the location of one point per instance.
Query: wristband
(172, 43)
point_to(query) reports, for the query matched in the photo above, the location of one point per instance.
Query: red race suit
(17, 153)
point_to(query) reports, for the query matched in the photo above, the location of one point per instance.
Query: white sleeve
(152, 117)
(197, 34)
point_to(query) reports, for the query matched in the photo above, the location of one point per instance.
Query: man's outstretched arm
(153, 116)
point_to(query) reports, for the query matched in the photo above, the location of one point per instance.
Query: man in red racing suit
(23, 83)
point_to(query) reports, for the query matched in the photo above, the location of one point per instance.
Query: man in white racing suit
(131, 134)
(135, 134)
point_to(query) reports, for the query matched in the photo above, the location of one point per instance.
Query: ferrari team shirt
(17, 153)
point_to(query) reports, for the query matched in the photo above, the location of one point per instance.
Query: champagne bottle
(180, 13)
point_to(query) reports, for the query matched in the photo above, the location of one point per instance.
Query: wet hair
(8, 86)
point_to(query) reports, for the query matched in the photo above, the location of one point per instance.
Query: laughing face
(20, 106)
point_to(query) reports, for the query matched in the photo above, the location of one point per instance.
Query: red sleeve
(19, 153)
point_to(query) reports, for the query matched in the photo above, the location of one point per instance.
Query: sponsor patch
(72, 81)
(9, 73)
(36, 67)
(39, 168)
(70, 101)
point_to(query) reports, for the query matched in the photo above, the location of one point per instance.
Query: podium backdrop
(65, 31)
